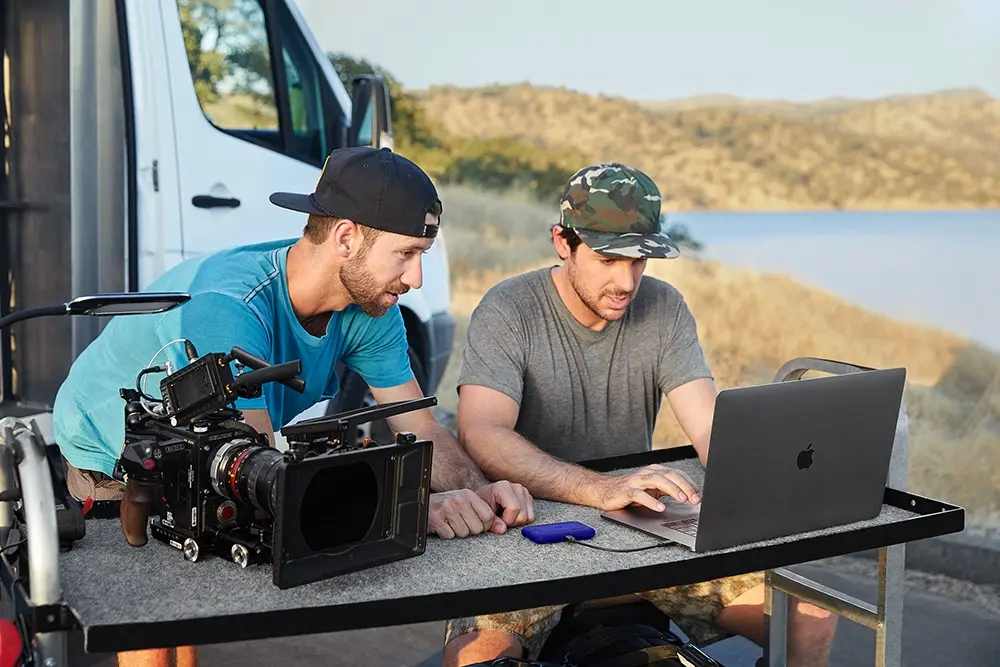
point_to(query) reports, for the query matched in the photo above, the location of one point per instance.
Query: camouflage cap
(615, 210)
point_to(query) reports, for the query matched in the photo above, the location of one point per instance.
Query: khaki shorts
(91, 484)
(693, 608)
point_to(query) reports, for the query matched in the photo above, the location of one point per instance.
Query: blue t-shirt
(239, 297)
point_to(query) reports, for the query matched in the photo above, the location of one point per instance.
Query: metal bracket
(886, 617)
(51, 618)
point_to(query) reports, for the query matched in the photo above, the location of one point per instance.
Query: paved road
(940, 614)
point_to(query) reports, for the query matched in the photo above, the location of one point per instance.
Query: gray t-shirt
(583, 394)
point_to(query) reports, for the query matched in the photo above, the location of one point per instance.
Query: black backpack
(630, 635)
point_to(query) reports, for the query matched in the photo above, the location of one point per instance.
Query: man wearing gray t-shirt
(570, 363)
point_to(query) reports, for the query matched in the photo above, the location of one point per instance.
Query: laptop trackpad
(674, 512)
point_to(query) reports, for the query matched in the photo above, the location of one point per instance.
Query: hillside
(953, 394)
(963, 121)
(917, 152)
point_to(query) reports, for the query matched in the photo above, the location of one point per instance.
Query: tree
(227, 50)
(679, 234)
(207, 66)
(410, 127)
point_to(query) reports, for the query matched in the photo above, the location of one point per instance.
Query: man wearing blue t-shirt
(328, 296)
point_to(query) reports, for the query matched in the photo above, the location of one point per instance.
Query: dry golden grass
(771, 318)
(751, 323)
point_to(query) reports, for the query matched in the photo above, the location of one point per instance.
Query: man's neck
(314, 286)
(574, 304)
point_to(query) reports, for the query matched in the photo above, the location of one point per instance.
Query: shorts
(693, 607)
(105, 492)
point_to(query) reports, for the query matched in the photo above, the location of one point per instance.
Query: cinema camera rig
(326, 506)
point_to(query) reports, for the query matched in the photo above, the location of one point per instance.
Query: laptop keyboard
(687, 526)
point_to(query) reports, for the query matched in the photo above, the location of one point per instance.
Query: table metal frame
(46, 618)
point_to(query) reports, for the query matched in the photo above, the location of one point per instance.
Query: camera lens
(247, 473)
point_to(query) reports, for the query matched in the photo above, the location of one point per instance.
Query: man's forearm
(260, 422)
(452, 467)
(503, 454)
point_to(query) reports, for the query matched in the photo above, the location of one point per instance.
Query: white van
(225, 102)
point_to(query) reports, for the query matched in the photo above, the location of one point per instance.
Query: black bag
(630, 635)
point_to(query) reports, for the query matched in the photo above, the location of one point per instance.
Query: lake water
(936, 268)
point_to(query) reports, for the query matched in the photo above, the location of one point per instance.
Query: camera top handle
(284, 373)
(285, 377)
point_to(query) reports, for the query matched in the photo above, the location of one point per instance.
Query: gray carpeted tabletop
(107, 583)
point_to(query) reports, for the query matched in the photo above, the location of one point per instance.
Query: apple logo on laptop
(805, 458)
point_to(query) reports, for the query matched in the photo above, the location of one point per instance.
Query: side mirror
(370, 111)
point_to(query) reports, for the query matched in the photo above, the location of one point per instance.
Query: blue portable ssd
(548, 533)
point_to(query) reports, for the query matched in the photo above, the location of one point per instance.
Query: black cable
(573, 540)
(13, 545)
(29, 313)
(138, 382)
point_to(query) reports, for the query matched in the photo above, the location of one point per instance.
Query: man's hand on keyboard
(645, 486)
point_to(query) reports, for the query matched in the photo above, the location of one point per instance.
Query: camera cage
(309, 432)
(326, 506)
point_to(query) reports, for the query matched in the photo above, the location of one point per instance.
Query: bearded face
(373, 296)
(386, 266)
(605, 285)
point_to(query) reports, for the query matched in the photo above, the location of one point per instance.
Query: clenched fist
(493, 507)
(460, 513)
(511, 502)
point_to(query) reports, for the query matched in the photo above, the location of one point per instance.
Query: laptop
(786, 458)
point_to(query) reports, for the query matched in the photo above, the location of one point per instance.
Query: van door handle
(208, 201)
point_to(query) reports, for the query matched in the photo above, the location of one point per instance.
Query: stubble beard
(363, 289)
(592, 301)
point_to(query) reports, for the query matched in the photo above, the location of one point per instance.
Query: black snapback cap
(373, 187)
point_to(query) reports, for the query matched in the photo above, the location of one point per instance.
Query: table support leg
(775, 623)
(885, 618)
(891, 587)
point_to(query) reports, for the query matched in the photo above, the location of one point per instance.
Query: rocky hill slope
(912, 152)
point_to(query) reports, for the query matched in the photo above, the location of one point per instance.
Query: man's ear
(562, 246)
(344, 236)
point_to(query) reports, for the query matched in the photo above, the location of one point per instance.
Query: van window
(230, 60)
(305, 84)
(231, 45)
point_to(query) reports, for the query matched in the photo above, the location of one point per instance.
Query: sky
(665, 49)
